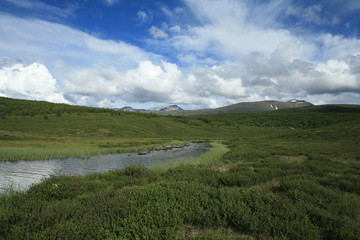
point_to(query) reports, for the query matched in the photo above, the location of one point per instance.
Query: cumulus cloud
(147, 83)
(163, 83)
(30, 82)
(303, 78)
(157, 32)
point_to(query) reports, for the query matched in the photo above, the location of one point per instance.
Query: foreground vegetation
(285, 175)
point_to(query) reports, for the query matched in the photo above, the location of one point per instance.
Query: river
(22, 174)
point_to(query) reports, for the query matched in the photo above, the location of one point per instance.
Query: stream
(22, 174)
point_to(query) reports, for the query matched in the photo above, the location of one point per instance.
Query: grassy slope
(288, 175)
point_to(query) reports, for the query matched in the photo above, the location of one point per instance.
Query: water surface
(22, 174)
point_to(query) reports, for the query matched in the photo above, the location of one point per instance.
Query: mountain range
(244, 107)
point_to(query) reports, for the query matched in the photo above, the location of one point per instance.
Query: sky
(194, 53)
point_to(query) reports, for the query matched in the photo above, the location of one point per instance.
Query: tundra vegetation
(291, 174)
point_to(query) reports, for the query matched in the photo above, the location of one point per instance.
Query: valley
(284, 174)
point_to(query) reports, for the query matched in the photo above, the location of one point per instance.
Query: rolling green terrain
(289, 174)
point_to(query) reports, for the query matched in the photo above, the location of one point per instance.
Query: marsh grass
(50, 151)
(212, 156)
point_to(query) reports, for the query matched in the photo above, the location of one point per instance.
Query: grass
(46, 150)
(280, 175)
(214, 155)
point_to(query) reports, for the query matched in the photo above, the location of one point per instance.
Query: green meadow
(291, 174)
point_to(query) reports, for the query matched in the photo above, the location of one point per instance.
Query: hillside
(19, 107)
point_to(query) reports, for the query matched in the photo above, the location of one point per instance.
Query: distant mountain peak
(130, 109)
(297, 101)
(127, 109)
(171, 108)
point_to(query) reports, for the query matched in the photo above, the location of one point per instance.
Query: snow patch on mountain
(171, 108)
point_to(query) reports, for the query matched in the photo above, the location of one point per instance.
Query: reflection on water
(22, 174)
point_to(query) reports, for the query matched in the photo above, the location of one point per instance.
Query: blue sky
(195, 53)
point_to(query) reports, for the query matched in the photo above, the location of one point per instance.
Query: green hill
(19, 107)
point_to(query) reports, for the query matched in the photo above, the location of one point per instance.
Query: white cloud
(336, 46)
(301, 78)
(157, 33)
(164, 83)
(146, 83)
(234, 29)
(30, 82)
(336, 75)
(226, 31)
(271, 62)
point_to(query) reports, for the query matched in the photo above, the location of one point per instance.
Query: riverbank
(212, 157)
(51, 150)
(164, 148)
(21, 175)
